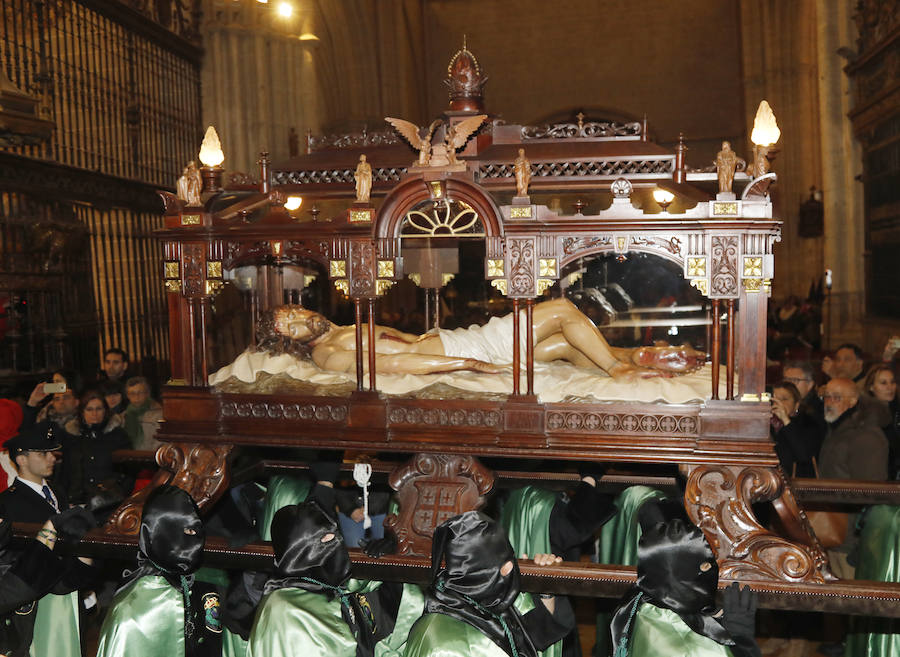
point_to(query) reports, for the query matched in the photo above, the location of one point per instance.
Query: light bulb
(765, 128)
(211, 154)
(293, 203)
(285, 9)
(663, 196)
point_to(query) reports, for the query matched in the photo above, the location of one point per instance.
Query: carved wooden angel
(458, 134)
(410, 132)
(189, 185)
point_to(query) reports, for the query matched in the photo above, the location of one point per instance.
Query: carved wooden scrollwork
(201, 470)
(432, 488)
(522, 278)
(718, 499)
(724, 267)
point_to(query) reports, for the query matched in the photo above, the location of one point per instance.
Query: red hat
(10, 419)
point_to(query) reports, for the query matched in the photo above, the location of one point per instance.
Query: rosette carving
(718, 499)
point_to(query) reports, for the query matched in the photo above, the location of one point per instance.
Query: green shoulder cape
(439, 635)
(146, 619)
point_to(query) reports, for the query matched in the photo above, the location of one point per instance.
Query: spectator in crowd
(87, 474)
(853, 448)
(881, 384)
(115, 365)
(142, 415)
(114, 393)
(803, 376)
(848, 363)
(796, 435)
(161, 607)
(61, 407)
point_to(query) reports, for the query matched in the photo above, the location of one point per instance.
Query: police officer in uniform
(30, 498)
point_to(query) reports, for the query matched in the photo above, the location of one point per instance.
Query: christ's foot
(672, 359)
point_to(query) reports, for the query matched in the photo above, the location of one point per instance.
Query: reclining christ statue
(561, 332)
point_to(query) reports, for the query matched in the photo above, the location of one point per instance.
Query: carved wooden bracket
(432, 488)
(201, 470)
(718, 499)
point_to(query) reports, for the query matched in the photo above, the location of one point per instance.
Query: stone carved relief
(432, 488)
(718, 499)
(723, 269)
(201, 470)
(521, 267)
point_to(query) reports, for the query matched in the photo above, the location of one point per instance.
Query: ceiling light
(285, 9)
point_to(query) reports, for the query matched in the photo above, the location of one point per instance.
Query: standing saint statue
(363, 177)
(189, 184)
(726, 163)
(522, 169)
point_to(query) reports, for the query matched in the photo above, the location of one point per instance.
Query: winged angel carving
(442, 154)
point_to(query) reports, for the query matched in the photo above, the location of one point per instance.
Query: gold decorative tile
(547, 267)
(752, 267)
(544, 284)
(191, 219)
(495, 268)
(337, 269)
(385, 269)
(214, 269)
(382, 286)
(753, 284)
(172, 269)
(213, 287)
(436, 191)
(500, 284)
(361, 216)
(701, 284)
(725, 208)
(696, 267)
(173, 286)
(520, 212)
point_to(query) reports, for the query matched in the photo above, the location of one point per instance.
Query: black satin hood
(677, 570)
(473, 548)
(168, 512)
(297, 533)
(467, 553)
(669, 571)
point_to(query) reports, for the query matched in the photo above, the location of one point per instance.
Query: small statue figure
(363, 178)
(458, 134)
(522, 169)
(726, 163)
(189, 184)
(410, 132)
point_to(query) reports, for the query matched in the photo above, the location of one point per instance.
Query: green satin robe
(439, 635)
(618, 543)
(412, 603)
(282, 491)
(526, 519)
(879, 560)
(659, 631)
(146, 619)
(292, 622)
(56, 628)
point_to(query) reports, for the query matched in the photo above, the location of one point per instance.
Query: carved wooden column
(719, 498)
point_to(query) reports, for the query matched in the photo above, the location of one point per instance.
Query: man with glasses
(854, 448)
(801, 374)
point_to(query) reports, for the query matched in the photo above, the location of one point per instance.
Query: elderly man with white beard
(853, 447)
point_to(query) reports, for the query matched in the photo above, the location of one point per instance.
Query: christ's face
(298, 323)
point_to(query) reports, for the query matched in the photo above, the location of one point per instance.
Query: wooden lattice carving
(432, 488)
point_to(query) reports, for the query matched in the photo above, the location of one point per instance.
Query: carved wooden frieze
(320, 412)
(432, 488)
(638, 424)
(521, 267)
(719, 499)
(488, 418)
(362, 269)
(724, 266)
(193, 268)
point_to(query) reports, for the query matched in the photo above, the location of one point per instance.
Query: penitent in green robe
(879, 560)
(618, 545)
(658, 631)
(295, 622)
(146, 619)
(526, 519)
(56, 629)
(411, 606)
(439, 635)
